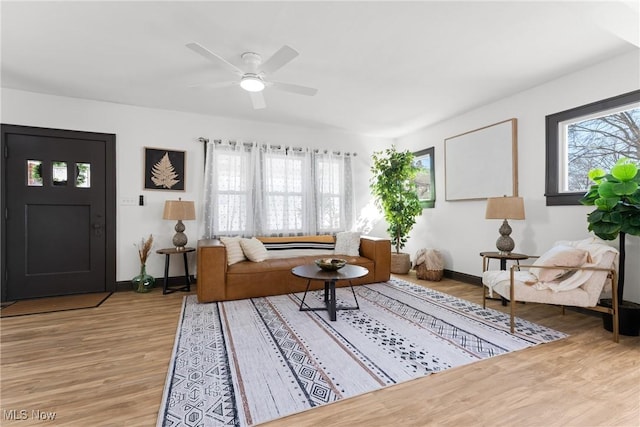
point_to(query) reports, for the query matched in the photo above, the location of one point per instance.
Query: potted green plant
(616, 196)
(394, 189)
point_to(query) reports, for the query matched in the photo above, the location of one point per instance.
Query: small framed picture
(164, 169)
(426, 178)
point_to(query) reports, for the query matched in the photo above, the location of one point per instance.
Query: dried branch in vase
(144, 248)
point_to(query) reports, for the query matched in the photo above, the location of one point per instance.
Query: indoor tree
(616, 196)
(394, 189)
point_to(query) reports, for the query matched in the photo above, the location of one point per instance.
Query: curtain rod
(250, 144)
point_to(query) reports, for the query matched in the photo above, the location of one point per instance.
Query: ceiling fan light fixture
(252, 83)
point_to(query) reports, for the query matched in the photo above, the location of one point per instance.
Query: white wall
(458, 228)
(137, 127)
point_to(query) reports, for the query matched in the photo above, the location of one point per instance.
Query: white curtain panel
(258, 189)
(334, 191)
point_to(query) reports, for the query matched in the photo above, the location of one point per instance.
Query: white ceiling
(381, 68)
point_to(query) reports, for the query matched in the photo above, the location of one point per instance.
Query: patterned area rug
(246, 362)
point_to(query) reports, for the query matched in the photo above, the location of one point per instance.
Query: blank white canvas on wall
(482, 163)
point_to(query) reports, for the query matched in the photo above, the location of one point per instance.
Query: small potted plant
(616, 196)
(394, 189)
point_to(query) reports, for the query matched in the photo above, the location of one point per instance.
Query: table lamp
(505, 208)
(179, 210)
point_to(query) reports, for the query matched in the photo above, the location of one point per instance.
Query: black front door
(59, 212)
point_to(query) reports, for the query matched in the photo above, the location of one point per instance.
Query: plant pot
(629, 318)
(400, 263)
(143, 282)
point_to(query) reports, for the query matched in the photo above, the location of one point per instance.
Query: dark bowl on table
(331, 264)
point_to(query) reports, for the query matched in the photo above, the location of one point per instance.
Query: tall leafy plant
(394, 189)
(616, 196)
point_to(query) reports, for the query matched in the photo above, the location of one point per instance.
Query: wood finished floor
(106, 366)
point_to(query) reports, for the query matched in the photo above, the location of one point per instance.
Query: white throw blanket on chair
(596, 247)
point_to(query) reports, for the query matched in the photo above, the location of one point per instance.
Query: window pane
(329, 184)
(597, 141)
(34, 173)
(232, 213)
(83, 175)
(59, 173)
(283, 185)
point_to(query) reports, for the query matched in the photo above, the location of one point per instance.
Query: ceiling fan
(253, 77)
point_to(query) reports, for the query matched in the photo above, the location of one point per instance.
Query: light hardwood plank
(106, 366)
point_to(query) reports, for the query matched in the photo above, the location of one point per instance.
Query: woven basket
(424, 274)
(400, 263)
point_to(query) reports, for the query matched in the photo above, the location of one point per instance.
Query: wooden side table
(488, 256)
(167, 252)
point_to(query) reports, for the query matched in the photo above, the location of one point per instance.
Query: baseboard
(462, 277)
(173, 281)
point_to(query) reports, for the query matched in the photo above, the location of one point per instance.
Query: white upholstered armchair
(571, 273)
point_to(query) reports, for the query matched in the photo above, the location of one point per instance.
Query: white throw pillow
(254, 249)
(348, 243)
(234, 250)
(559, 255)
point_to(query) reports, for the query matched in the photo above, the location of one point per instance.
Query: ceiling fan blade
(214, 85)
(203, 51)
(257, 99)
(279, 59)
(300, 90)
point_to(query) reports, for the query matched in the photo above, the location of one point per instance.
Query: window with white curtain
(263, 190)
(284, 197)
(330, 184)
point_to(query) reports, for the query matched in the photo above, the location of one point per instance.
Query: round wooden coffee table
(313, 272)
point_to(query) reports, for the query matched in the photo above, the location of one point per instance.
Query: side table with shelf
(167, 252)
(488, 256)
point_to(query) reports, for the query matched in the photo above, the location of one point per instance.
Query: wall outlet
(129, 201)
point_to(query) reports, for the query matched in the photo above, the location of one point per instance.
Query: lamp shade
(505, 208)
(179, 210)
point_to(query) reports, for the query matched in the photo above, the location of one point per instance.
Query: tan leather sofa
(217, 281)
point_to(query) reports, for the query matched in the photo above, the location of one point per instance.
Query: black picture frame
(426, 178)
(164, 169)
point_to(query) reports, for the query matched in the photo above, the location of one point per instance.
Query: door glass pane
(34, 173)
(83, 175)
(59, 173)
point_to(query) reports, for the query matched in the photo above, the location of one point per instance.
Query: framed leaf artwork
(164, 169)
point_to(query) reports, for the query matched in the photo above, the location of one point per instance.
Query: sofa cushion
(559, 255)
(295, 246)
(254, 249)
(348, 243)
(286, 264)
(234, 250)
(323, 242)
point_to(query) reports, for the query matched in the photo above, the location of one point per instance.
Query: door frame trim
(110, 193)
